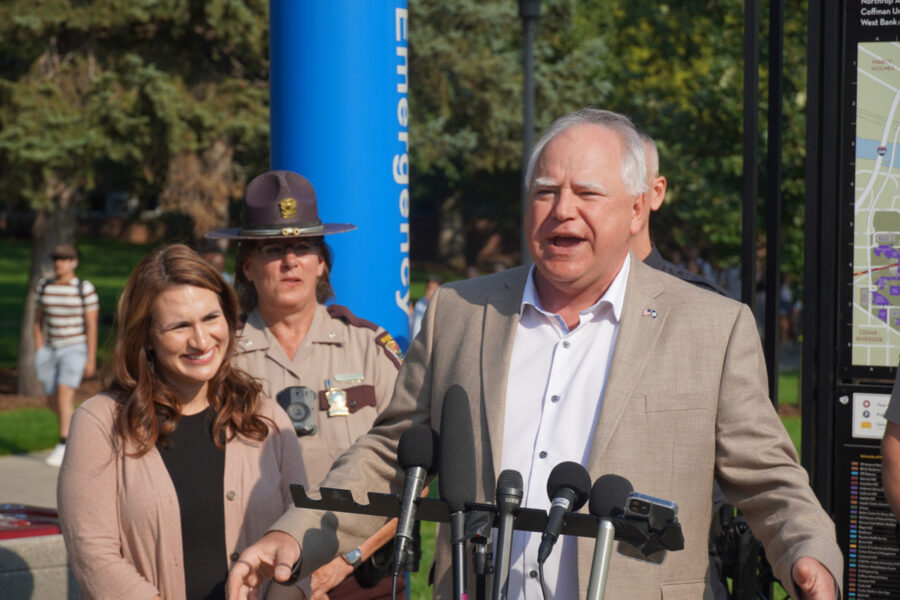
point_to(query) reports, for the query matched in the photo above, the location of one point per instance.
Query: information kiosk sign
(871, 198)
(865, 525)
(858, 67)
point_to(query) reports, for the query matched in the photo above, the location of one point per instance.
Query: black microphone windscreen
(608, 496)
(573, 476)
(416, 448)
(456, 475)
(510, 479)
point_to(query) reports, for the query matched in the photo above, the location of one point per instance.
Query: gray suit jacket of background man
(686, 400)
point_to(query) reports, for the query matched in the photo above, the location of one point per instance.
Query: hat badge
(288, 208)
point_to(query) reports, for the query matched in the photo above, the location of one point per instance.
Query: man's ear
(657, 193)
(639, 212)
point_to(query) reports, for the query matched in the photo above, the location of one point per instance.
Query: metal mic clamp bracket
(633, 531)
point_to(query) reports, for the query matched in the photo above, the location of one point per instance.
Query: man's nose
(564, 206)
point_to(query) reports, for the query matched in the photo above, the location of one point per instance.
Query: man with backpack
(65, 336)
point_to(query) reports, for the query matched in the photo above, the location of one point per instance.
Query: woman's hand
(325, 578)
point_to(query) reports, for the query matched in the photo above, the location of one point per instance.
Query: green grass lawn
(26, 430)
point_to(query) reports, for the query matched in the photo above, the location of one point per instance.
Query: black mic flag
(608, 497)
(456, 477)
(509, 498)
(568, 487)
(415, 454)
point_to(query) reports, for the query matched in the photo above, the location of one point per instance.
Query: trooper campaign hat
(278, 205)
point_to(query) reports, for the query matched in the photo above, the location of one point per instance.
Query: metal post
(773, 195)
(818, 380)
(530, 11)
(751, 153)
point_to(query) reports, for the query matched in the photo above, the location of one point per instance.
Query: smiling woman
(188, 341)
(182, 461)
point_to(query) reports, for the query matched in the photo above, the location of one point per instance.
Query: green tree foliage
(680, 76)
(159, 98)
(466, 106)
(676, 68)
(168, 99)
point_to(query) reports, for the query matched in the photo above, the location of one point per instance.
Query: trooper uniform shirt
(354, 355)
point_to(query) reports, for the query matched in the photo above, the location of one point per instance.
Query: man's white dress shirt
(553, 397)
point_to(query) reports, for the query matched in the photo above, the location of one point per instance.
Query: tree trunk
(201, 186)
(51, 227)
(452, 239)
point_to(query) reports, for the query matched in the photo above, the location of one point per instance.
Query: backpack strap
(44, 283)
(83, 306)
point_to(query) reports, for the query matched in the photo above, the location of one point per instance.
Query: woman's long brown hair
(149, 409)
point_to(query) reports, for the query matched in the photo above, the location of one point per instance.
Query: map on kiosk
(876, 226)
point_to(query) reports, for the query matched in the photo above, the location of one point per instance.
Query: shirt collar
(253, 334)
(323, 330)
(613, 297)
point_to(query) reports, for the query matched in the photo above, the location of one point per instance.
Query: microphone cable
(541, 575)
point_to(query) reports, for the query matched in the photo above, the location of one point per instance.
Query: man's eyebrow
(591, 186)
(545, 182)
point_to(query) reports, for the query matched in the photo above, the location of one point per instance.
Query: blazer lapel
(635, 342)
(643, 316)
(501, 316)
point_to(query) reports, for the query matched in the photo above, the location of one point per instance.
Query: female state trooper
(331, 371)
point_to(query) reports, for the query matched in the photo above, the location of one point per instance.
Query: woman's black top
(197, 469)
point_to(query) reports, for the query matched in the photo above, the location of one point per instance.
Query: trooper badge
(337, 400)
(288, 208)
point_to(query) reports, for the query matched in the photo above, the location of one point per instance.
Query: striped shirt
(63, 309)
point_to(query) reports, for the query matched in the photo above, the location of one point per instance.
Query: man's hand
(90, 369)
(325, 578)
(273, 555)
(813, 580)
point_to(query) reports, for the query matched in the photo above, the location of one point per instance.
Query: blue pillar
(339, 116)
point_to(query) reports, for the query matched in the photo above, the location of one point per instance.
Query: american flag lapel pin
(649, 312)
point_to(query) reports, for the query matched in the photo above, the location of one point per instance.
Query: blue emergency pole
(339, 117)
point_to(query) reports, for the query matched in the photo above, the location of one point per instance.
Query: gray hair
(634, 169)
(652, 154)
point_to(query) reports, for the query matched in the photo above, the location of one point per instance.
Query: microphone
(608, 498)
(415, 454)
(568, 487)
(456, 482)
(509, 498)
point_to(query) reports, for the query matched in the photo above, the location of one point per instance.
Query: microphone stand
(480, 559)
(458, 540)
(634, 532)
(606, 534)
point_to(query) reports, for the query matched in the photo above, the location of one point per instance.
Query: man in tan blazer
(678, 383)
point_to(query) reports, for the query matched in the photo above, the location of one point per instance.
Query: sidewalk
(32, 567)
(27, 480)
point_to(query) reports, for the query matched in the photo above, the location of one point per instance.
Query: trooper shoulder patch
(391, 348)
(336, 311)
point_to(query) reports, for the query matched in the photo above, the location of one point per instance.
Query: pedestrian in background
(216, 257)
(65, 336)
(433, 283)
